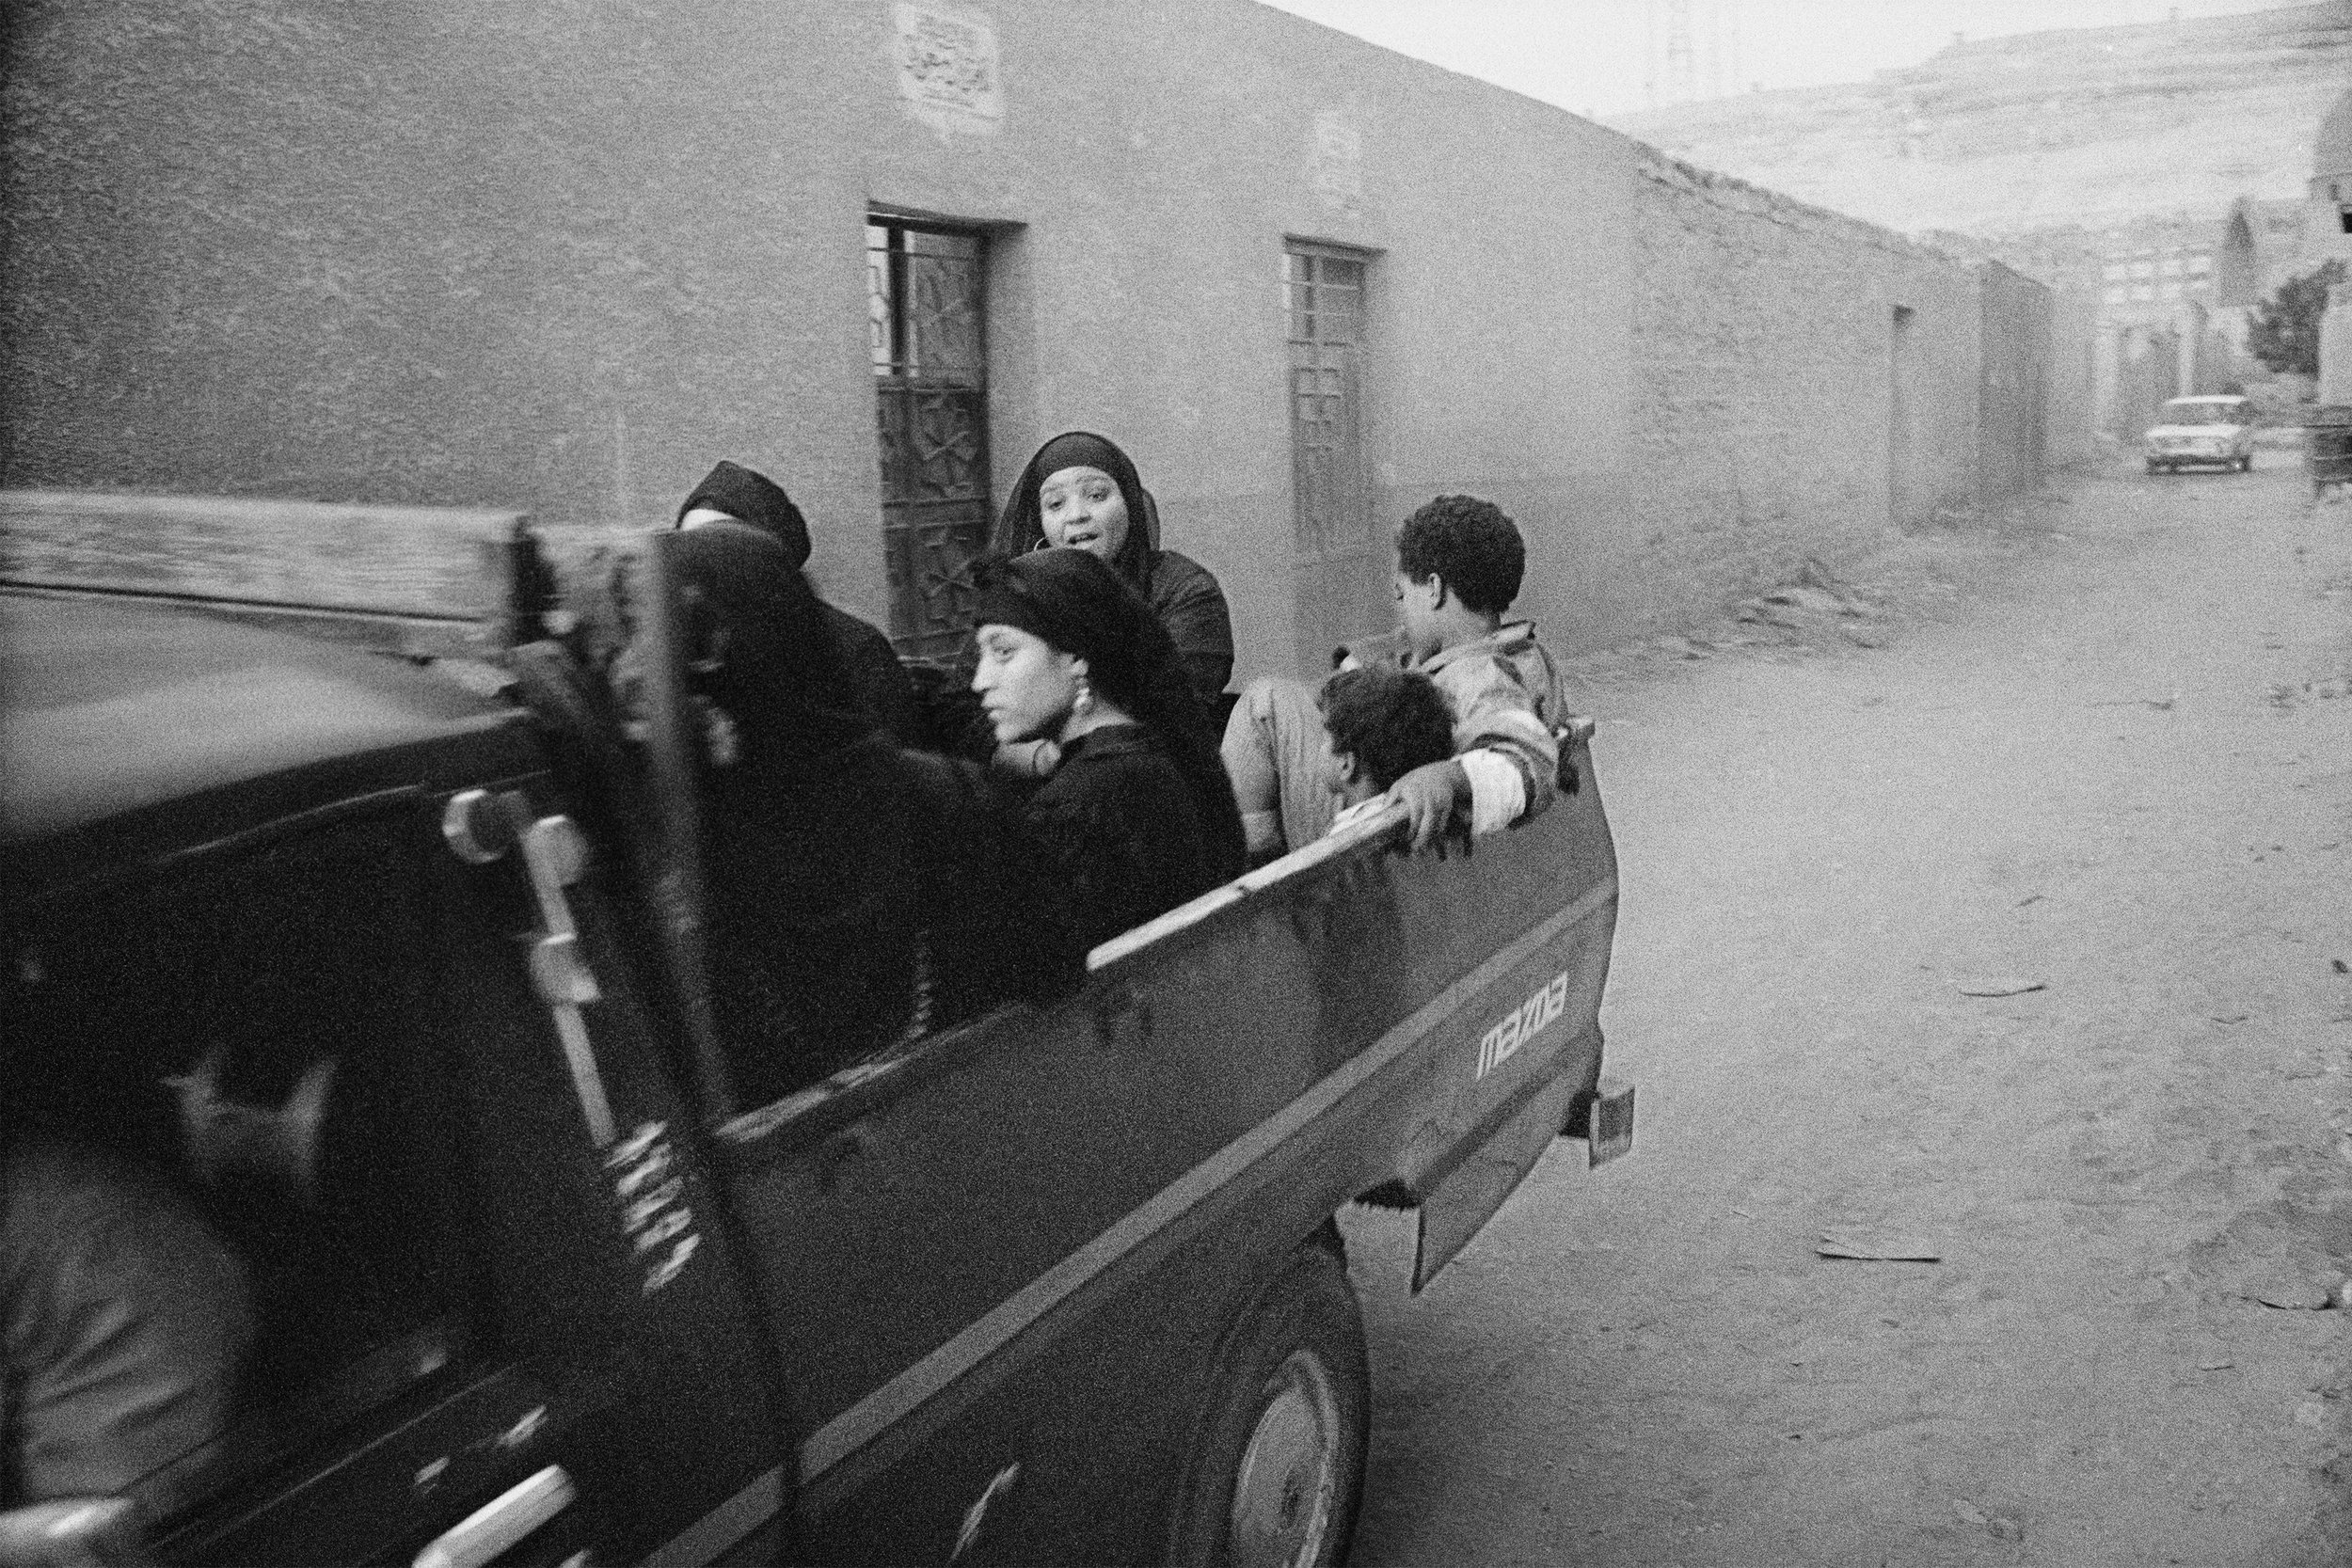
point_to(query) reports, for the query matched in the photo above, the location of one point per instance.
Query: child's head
(1379, 724)
(1458, 565)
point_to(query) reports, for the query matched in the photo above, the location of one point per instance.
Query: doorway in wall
(1903, 489)
(925, 319)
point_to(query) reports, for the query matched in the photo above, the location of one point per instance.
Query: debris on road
(2001, 1527)
(2215, 1364)
(1866, 1247)
(2286, 694)
(2001, 988)
(1818, 603)
(2289, 1287)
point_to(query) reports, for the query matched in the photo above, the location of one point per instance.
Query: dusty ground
(2104, 747)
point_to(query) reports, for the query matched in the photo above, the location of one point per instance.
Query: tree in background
(2285, 331)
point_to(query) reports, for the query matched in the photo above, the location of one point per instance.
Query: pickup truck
(385, 961)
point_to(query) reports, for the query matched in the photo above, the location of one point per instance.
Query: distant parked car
(2214, 430)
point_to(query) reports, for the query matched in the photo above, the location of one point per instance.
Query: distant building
(2327, 209)
(2191, 282)
(2141, 271)
(2149, 268)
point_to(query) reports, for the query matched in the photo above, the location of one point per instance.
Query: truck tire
(1276, 1463)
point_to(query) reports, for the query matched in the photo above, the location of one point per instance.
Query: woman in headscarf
(1081, 492)
(859, 894)
(1138, 818)
(731, 493)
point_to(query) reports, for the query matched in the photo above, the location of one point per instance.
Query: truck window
(257, 1031)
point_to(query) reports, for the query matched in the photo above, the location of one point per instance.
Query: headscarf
(1075, 602)
(1022, 527)
(757, 500)
(767, 655)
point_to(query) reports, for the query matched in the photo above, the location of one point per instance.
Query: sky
(1603, 57)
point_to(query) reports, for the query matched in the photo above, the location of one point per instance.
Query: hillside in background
(2093, 125)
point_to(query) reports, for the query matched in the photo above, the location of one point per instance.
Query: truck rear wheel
(1277, 1465)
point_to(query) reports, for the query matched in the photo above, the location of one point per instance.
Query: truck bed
(1348, 1022)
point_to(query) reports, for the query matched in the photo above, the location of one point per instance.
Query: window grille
(1323, 295)
(924, 323)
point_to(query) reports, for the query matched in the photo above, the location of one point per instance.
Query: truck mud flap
(1458, 1206)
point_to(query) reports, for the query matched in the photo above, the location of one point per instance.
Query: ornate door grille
(1324, 292)
(925, 320)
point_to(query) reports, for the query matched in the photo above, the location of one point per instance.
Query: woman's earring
(1083, 704)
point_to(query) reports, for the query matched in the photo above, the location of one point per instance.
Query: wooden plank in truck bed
(422, 579)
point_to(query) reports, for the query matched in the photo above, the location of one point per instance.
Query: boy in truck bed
(1379, 724)
(1459, 563)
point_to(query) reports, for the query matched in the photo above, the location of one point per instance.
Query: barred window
(1322, 292)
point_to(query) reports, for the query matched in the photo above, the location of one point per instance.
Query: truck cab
(386, 966)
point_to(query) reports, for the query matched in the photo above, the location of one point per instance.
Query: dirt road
(2106, 750)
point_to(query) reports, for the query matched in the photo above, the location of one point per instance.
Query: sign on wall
(947, 71)
(1335, 161)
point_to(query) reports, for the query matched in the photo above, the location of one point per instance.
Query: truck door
(322, 1036)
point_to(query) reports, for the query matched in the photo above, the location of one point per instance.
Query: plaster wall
(1805, 383)
(2324, 236)
(556, 258)
(2012, 382)
(2070, 422)
(1154, 185)
(2148, 371)
(561, 258)
(2335, 348)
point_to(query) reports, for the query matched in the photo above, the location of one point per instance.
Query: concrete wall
(1155, 189)
(2147, 371)
(2013, 381)
(2070, 422)
(562, 257)
(2335, 348)
(555, 257)
(1805, 383)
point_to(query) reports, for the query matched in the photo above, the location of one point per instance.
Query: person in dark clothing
(860, 894)
(732, 493)
(1081, 491)
(1138, 818)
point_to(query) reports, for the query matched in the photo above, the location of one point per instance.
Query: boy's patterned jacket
(1508, 710)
